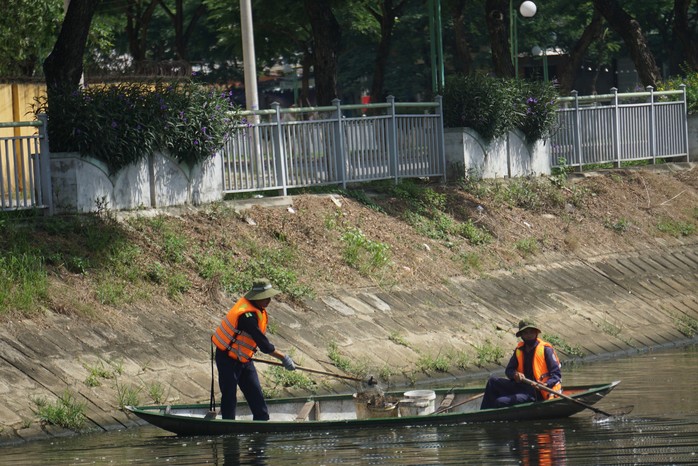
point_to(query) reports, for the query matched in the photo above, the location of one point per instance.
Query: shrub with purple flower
(122, 123)
(538, 111)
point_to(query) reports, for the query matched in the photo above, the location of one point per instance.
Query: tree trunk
(326, 40)
(137, 23)
(386, 19)
(567, 73)
(683, 33)
(497, 15)
(463, 58)
(63, 67)
(629, 30)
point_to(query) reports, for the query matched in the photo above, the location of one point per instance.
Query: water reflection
(240, 450)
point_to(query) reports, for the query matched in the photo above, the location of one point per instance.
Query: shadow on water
(662, 429)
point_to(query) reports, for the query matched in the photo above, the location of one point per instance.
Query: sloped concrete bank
(601, 305)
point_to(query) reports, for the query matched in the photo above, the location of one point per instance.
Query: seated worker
(241, 332)
(533, 359)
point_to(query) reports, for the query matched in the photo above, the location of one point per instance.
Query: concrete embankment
(600, 305)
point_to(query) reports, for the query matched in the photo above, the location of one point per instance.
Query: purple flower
(113, 124)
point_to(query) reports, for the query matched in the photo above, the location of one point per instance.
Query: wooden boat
(326, 412)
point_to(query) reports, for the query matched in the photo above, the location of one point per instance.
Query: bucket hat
(261, 289)
(526, 324)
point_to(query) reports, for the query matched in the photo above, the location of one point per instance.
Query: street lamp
(536, 51)
(527, 10)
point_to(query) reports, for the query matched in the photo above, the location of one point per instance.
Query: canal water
(662, 429)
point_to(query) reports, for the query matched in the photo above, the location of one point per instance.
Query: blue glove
(288, 363)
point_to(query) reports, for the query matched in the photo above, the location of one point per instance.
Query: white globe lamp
(528, 9)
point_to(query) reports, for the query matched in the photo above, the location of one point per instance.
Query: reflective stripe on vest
(228, 337)
(541, 372)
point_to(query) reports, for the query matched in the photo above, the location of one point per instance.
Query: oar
(468, 400)
(370, 381)
(545, 388)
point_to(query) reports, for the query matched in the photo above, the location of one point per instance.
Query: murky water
(662, 429)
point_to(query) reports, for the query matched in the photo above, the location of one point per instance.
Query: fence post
(685, 123)
(340, 149)
(442, 143)
(45, 164)
(616, 126)
(577, 131)
(653, 127)
(392, 140)
(279, 150)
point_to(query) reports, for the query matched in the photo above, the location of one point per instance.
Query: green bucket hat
(261, 289)
(526, 324)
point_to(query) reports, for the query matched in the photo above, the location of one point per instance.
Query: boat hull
(325, 413)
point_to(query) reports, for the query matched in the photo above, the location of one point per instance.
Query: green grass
(488, 353)
(527, 246)
(127, 395)
(362, 253)
(428, 363)
(620, 225)
(398, 339)
(561, 345)
(686, 325)
(341, 362)
(65, 412)
(676, 228)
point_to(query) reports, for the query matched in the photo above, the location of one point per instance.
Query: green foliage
(494, 106)
(362, 253)
(30, 30)
(437, 363)
(676, 228)
(120, 124)
(687, 325)
(527, 246)
(280, 377)
(480, 102)
(488, 352)
(619, 226)
(539, 118)
(65, 412)
(127, 395)
(23, 279)
(341, 362)
(156, 392)
(562, 346)
(690, 79)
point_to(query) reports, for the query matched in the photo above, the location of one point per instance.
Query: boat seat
(446, 402)
(304, 413)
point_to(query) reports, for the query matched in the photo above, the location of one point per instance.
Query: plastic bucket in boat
(417, 403)
(366, 410)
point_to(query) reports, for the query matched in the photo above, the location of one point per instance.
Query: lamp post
(527, 10)
(436, 46)
(536, 51)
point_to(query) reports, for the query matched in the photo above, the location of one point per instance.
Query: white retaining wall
(82, 184)
(508, 156)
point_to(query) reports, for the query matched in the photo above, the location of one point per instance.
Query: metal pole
(432, 46)
(512, 26)
(616, 126)
(653, 127)
(248, 57)
(439, 47)
(685, 123)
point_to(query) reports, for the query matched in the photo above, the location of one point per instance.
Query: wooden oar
(468, 400)
(370, 381)
(545, 388)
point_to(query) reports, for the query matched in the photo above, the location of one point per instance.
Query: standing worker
(241, 332)
(533, 359)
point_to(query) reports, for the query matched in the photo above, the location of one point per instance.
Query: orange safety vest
(541, 371)
(238, 344)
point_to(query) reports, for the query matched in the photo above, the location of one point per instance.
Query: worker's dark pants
(501, 392)
(231, 375)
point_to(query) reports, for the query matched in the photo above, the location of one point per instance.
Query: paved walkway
(605, 304)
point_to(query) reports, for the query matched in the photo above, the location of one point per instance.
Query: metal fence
(616, 128)
(280, 149)
(25, 172)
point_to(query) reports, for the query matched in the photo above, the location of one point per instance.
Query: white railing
(25, 172)
(616, 128)
(279, 149)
